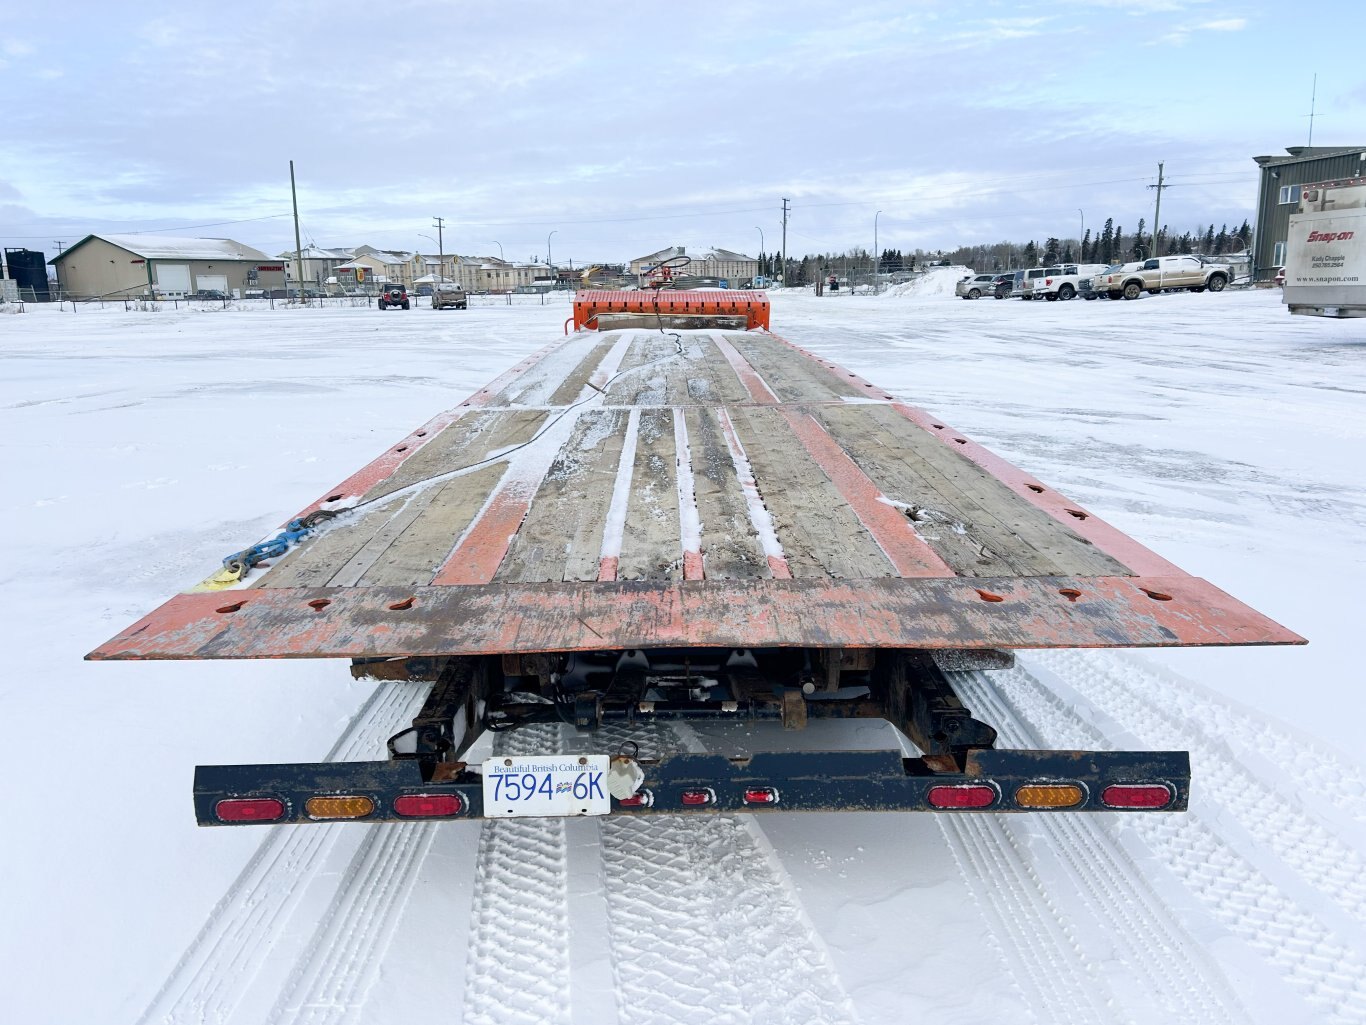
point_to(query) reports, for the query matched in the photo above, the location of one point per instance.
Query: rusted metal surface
(930, 612)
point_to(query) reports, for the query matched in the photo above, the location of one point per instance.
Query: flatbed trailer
(674, 514)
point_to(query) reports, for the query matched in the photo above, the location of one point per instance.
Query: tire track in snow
(1033, 937)
(517, 965)
(1144, 932)
(330, 981)
(1327, 972)
(219, 968)
(704, 923)
(1307, 847)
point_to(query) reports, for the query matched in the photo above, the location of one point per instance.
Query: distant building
(28, 270)
(371, 268)
(318, 265)
(722, 264)
(1279, 194)
(163, 266)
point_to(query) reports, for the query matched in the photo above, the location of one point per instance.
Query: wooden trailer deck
(641, 488)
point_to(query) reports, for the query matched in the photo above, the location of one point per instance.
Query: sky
(599, 133)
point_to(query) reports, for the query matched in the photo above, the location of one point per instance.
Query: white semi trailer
(1325, 261)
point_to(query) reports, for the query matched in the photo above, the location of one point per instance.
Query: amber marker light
(351, 807)
(1049, 795)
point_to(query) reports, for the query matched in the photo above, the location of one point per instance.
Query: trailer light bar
(761, 795)
(429, 806)
(961, 795)
(1049, 795)
(249, 809)
(1137, 795)
(698, 798)
(348, 807)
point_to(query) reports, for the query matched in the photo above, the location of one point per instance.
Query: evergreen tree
(1121, 254)
(1221, 239)
(1146, 247)
(1087, 256)
(1208, 244)
(1051, 248)
(1107, 241)
(1245, 235)
(1031, 254)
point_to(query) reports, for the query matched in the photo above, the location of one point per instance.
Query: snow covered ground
(141, 447)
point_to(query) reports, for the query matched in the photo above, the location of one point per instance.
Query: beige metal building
(717, 263)
(162, 266)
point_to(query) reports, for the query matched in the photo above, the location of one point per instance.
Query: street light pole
(548, 260)
(439, 224)
(877, 259)
(761, 241)
(500, 248)
(1081, 257)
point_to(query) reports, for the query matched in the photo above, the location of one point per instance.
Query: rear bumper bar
(797, 781)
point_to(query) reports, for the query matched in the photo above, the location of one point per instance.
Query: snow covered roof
(168, 247)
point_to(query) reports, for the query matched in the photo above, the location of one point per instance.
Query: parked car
(394, 295)
(450, 297)
(255, 293)
(213, 294)
(1002, 285)
(974, 286)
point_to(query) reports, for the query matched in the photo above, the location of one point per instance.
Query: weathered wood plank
(972, 520)
(650, 545)
(792, 376)
(730, 546)
(470, 440)
(412, 558)
(571, 390)
(315, 561)
(819, 533)
(561, 537)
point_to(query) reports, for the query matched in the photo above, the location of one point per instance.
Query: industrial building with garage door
(121, 266)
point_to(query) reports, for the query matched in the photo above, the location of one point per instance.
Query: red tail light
(1048, 281)
(429, 806)
(643, 799)
(961, 795)
(761, 795)
(249, 809)
(697, 798)
(1137, 795)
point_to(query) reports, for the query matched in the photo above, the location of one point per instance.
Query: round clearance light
(429, 806)
(1049, 795)
(350, 807)
(961, 795)
(1149, 796)
(249, 809)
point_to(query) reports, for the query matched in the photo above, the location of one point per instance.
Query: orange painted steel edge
(929, 612)
(753, 306)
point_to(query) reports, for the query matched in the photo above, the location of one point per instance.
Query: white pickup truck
(1169, 273)
(1064, 281)
(1325, 264)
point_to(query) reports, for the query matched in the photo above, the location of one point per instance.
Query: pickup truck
(1063, 281)
(1168, 273)
(450, 297)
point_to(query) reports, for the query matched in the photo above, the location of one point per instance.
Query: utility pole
(784, 255)
(298, 243)
(1313, 95)
(439, 224)
(877, 257)
(1157, 214)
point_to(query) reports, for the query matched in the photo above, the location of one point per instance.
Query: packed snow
(140, 447)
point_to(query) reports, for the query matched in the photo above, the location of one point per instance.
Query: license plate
(546, 785)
